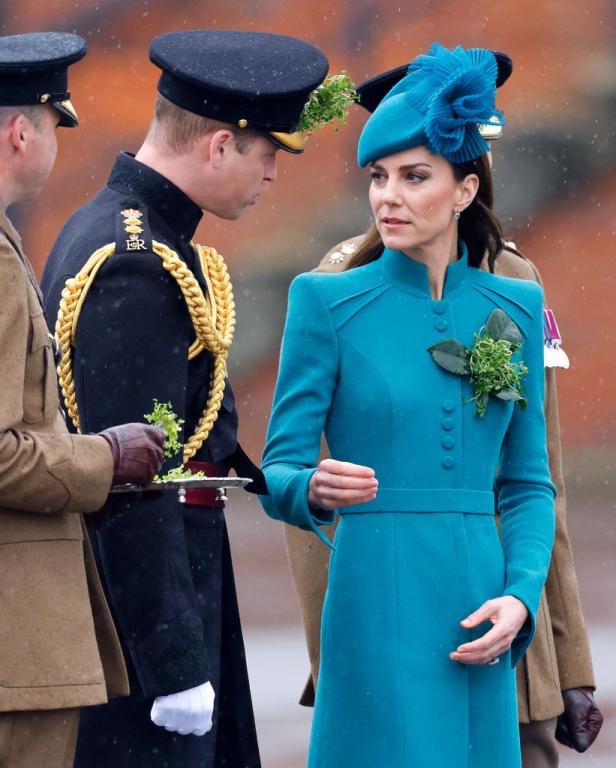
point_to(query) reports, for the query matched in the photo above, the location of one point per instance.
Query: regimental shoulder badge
(554, 354)
(132, 229)
(347, 249)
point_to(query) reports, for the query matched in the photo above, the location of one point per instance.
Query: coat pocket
(47, 632)
(20, 527)
(40, 401)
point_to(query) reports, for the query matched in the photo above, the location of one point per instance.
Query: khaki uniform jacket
(559, 656)
(59, 646)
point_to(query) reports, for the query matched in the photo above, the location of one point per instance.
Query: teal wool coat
(409, 566)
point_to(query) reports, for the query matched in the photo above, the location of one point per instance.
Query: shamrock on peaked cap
(33, 70)
(250, 79)
(373, 90)
(441, 103)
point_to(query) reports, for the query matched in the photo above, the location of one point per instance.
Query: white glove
(185, 712)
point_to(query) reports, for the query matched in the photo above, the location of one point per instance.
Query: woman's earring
(457, 215)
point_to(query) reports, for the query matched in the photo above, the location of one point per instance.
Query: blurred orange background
(555, 186)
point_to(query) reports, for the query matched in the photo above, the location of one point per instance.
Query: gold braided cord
(218, 340)
(66, 324)
(205, 255)
(213, 319)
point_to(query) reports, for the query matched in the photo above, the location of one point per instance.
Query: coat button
(448, 406)
(448, 462)
(447, 424)
(440, 324)
(448, 442)
(439, 307)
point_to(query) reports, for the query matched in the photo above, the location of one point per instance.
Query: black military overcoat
(166, 567)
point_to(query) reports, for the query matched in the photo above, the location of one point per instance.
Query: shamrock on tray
(488, 362)
(163, 416)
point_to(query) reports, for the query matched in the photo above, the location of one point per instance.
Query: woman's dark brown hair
(478, 225)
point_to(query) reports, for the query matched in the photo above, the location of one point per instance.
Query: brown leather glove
(137, 451)
(580, 723)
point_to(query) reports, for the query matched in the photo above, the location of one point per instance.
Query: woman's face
(414, 197)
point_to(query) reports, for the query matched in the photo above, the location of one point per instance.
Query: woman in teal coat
(426, 376)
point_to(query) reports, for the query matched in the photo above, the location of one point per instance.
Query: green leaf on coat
(450, 355)
(509, 394)
(502, 328)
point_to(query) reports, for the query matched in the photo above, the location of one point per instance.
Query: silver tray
(181, 485)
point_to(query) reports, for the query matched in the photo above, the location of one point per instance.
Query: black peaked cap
(372, 91)
(252, 79)
(33, 70)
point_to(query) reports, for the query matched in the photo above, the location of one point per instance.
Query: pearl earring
(457, 215)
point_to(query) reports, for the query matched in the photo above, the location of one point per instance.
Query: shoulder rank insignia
(554, 355)
(132, 230)
(337, 257)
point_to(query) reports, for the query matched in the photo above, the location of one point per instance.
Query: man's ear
(221, 144)
(20, 130)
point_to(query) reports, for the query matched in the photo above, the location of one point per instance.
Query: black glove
(137, 451)
(580, 723)
(244, 467)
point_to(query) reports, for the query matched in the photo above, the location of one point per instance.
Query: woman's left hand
(507, 614)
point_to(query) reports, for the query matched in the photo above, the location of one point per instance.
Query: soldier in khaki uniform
(555, 679)
(59, 647)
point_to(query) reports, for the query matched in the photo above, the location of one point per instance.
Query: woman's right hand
(341, 484)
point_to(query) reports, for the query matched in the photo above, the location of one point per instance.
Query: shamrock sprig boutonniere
(329, 103)
(488, 362)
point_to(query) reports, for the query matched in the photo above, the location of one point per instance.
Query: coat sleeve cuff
(87, 474)
(289, 501)
(525, 636)
(577, 676)
(184, 664)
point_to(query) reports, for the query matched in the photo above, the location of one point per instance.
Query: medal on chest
(554, 355)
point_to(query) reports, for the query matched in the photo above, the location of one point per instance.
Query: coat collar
(134, 178)
(6, 225)
(14, 238)
(411, 276)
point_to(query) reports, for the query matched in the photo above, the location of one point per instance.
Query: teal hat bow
(445, 98)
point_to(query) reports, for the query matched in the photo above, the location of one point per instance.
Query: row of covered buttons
(439, 308)
(448, 441)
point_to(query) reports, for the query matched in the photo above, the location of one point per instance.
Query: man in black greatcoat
(131, 338)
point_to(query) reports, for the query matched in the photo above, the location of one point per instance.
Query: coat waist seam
(426, 500)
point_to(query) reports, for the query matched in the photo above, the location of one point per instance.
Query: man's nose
(271, 170)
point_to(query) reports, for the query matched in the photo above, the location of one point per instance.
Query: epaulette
(132, 229)
(510, 247)
(335, 260)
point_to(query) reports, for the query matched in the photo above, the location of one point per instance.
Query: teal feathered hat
(444, 102)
